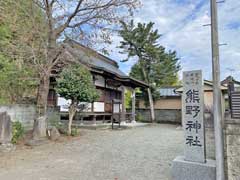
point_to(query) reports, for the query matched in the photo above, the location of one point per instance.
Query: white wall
(64, 104)
(98, 106)
(116, 108)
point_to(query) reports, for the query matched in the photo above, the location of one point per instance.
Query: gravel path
(143, 153)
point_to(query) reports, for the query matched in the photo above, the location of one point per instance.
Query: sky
(180, 22)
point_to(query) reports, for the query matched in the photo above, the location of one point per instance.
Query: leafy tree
(83, 20)
(19, 45)
(154, 63)
(16, 83)
(128, 99)
(16, 80)
(164, 70)
(140, 42)
(161, 72)
(75, 84)
(47, 24)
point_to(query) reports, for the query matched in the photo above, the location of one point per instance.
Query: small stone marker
(5, 128)
(192, 113)
(53, 134)
(39, 129)
(6, 133)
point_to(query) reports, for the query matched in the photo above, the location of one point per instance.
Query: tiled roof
(168, 91)
(99, 63)
(93, 58)
(208, 86)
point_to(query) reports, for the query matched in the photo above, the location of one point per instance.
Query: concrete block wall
(162, 115)
(232, 147)
(26, 113)
(21, 112)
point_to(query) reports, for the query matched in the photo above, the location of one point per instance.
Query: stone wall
(25, 113)
(162, 115)
(232, 148)
(170, 115)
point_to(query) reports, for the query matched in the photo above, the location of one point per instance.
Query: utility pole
(217, 107)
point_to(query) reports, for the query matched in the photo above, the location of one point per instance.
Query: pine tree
(154, 65)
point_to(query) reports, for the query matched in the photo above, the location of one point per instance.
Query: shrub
(62, 128)
(18, 131)
(139, 117)
(74, 132)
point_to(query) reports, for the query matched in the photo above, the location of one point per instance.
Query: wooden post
(133, 106)
(94, 120)
(104, 119)
(123, 112)
(81, 119)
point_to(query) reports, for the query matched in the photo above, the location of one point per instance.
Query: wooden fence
(235, 104)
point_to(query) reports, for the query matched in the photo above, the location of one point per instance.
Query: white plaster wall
(116, 108)
(98, 106)
(64, 104)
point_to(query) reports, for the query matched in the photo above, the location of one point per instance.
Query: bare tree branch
(60, 29)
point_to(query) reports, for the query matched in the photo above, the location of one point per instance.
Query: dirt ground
(143, 153)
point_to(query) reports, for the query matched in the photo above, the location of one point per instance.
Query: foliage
(16, 82)
(18, 77)
(74, 132)
(4, 33)
(141, 42)
(161, 72)
(155, 66)
(34, 32)
(23, 32)
(18, 131)
(128, 99)
(161, 67)
(76, 84)
(139, 117)
(61, 128)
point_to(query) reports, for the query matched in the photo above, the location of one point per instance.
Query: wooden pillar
(133, 106)
(94, 120)
(94, 116)
(81, 120)
(123, 112)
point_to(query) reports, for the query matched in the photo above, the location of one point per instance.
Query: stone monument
(39, 128)
(193, 165)
(5, 133)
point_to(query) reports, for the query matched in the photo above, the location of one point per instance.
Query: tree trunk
(72, 111)
(42, 97)
(149, 95)
(40, 124)
(151, 105)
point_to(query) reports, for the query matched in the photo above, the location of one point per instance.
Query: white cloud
(181, 25)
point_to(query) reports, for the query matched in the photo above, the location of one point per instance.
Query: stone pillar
(5, 128)
(6, 133)
(123, 112)
(133, 106)
(232, 148)
(193, 165)
(39, 128)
